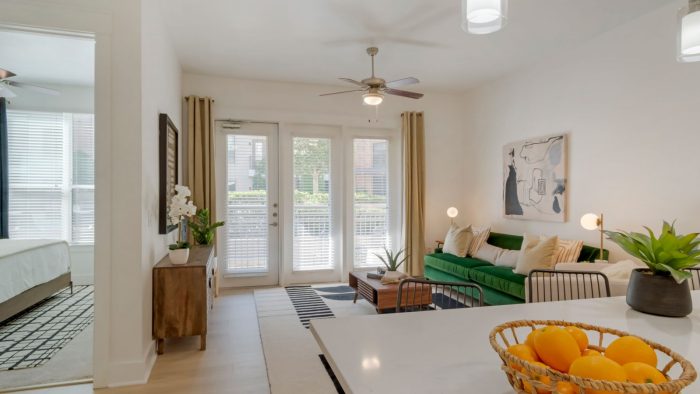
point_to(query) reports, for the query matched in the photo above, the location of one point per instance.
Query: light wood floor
(233, 362)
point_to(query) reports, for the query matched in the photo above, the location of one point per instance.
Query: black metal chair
(421, 295)
(551, 285)
(694, 278)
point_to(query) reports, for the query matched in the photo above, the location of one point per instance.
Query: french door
(305, 203)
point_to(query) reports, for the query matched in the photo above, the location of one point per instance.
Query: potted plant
(392, 262)
(180, 208)
(662, 288)
(202, 228)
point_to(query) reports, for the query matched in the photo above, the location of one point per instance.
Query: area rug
(291, 352)
(308, 304)
(35, 336)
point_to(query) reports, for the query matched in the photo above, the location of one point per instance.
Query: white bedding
(28, 263)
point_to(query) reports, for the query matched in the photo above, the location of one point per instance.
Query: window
(371, 211)
(311, 238)
(51, 176)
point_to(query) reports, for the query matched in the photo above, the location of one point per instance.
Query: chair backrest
(694, 278)
(420, 295)
(551, 285)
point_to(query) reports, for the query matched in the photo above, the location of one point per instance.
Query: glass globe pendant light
(689, 32)
(484, 16)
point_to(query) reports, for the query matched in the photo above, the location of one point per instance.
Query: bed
(30, 271)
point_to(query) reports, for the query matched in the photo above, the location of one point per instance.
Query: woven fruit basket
(529, 378)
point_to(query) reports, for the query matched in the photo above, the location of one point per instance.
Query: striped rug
(308, 304)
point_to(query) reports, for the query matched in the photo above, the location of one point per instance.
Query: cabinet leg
(160, 346)
(203, 342)
(354, 300)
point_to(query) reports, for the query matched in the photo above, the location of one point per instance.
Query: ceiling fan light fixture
(484, 16)
(6, 92)
(373, 98)
(689, 32)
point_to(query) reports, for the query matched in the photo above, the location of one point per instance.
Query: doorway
(305, 203)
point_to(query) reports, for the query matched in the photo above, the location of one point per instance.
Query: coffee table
(382, 296)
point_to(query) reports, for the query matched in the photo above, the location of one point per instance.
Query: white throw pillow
(481, 234)
(488, 252)
(508, 258)
(458, 240)
(536, 253)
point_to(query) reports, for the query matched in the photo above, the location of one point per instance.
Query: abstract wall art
(534, 179)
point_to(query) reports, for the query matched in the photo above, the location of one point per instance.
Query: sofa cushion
(454, 265)
(500, 278)
(506, 241)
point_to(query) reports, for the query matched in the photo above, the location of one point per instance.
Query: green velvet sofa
(500, 284)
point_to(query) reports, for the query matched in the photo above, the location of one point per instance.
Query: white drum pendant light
(484, 16)
(689, 32)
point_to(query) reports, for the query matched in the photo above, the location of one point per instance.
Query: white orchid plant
(181, 207)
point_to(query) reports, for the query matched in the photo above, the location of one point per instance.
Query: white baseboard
(133, 372)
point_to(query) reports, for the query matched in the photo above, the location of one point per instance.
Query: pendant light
(689, 32)
(484, 16)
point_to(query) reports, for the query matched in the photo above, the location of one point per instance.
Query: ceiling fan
(5, 84)
(375, 86)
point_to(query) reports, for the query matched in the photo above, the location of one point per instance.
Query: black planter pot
(658, 295)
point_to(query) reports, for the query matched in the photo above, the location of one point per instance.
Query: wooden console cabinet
(183, 296)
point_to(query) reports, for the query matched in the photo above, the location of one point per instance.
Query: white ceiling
(317, 41)
(51, 59)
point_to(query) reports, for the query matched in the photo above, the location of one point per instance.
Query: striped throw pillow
(481, 234)
(567, 251)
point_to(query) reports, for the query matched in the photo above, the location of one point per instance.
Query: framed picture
(535, 179)
(169, 165)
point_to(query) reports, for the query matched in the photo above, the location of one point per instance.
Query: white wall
(632, 115)
(300, 103)
(160, 93)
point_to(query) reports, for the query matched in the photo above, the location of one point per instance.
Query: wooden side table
(382, 296)
(183, 296)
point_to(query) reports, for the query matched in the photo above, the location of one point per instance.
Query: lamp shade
(590, 221)
(452, 212)
(372, 98)
(484, 16)
(689, 32)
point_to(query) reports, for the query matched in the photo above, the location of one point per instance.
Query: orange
(629, 349)
(523, 352)
(599, 368)
(590, 352)
(643, 373)
(542, 378)
(557, 348)
(530, 341)
(579, 335)
(566, 388)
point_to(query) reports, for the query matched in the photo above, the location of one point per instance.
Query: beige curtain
(200, 153)
(414, 190)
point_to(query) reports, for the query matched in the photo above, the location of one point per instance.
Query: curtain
(414, 190)
(4, 172)
(200, 153)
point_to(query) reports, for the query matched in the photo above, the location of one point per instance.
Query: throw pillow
(458, 240)
(568, 251)
(536, 254)
(508, 258)
(481, 234)
(488, 252)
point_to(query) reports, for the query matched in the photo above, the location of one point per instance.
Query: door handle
(274, 224)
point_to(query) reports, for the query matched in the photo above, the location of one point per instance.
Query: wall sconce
(452, 213)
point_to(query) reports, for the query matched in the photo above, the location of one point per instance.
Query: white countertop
(449, 352)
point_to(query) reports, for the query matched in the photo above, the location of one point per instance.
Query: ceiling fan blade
(35, 88)
(402, 82)
(352, 81)
(6, 92)
(403, 93)
(6, 74)
(345, 91)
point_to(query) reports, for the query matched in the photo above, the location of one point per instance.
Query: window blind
(371, 210)
(46, 151)
(312, 239)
